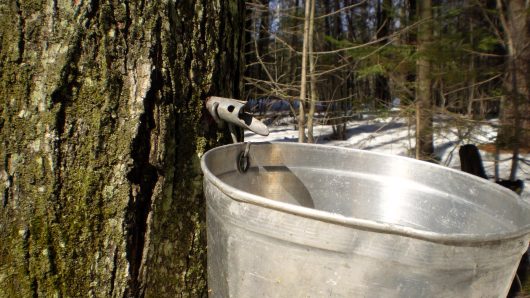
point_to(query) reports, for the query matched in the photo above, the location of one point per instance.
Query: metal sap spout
(234, 112)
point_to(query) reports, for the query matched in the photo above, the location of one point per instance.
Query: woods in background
(465, 59)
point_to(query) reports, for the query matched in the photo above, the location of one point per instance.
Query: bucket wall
(288, 237)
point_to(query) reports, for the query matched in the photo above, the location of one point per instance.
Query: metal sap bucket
(320, 221)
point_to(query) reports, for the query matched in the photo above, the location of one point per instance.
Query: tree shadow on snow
(363, 128)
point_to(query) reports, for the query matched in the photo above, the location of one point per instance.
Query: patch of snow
(395, 135)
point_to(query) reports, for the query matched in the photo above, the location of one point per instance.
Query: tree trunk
(101, 129)
(264, 36)
(515, 129)
(382, 88)
(312, 76)
(424, 106)
(303, 78)
(410, 38)
(257, 46)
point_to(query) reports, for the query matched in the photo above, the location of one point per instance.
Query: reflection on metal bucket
(320, 221)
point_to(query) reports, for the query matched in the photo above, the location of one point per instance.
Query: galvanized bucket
(320, 221)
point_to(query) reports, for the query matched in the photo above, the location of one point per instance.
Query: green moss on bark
(101, 128)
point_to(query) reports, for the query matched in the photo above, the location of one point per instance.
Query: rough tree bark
(424, 103)
(101, 129)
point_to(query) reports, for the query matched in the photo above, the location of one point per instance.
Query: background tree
(424, 104)
(312, 75)
(515, 129)
(101, 129)
(257, 43)
(384, 22)
(303, 80)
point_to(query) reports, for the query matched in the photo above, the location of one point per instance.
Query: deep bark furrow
(143, 175)
(22, 30)
(113, 272)
(8, 180)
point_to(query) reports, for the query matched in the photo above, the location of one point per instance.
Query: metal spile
(234, 112)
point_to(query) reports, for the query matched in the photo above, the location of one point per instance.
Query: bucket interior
(369, 186)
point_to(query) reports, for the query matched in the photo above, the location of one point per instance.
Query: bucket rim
(366, 224)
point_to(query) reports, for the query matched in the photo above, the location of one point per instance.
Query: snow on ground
(395, 135)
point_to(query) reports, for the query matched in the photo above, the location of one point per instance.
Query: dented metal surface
(321, 221)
